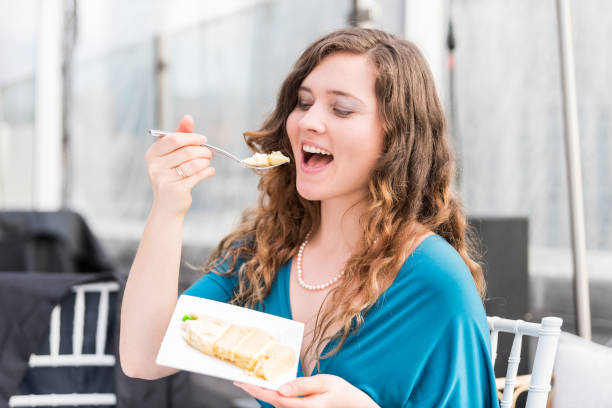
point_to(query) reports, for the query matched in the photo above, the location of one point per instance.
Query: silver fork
(161, 133)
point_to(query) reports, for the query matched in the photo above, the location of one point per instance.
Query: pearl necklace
(299, 271)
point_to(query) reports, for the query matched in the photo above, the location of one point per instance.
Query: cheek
(364, 150)
(375, 143)
(363, 145)
(292, 128)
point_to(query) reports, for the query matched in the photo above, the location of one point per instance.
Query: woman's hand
(322, 390)
(176, 163)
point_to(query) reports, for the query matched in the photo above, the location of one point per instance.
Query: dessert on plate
(251, 349)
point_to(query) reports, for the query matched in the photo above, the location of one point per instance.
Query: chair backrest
(582, 373)
(76, 358)
(547, 332)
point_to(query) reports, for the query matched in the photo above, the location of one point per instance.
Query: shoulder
(435, 253)
(436, 269)
(221, 278)
(214, 285)
(231, 259)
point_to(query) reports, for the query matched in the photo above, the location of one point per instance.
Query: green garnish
(189, 317)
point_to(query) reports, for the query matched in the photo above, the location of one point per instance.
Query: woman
(359, 237)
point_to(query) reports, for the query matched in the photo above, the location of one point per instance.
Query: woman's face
(335, 131)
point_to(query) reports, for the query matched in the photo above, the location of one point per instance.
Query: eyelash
(303, 105)
(340, 112)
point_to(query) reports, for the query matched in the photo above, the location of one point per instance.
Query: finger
(179, 172)
(185, 125)
(274, 398)
(192, 167)
(174, 141)
(304, 386)
(184, 155)
(263, 394)
(199, 176)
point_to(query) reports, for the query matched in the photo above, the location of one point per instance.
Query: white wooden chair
(538, 387)
(582, 373)
(76, 358)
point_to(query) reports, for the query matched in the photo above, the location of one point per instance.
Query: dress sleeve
(214, 286)
(453, 367)
(457, 371)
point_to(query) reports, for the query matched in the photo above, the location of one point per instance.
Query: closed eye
(342, 112)
(303, 105)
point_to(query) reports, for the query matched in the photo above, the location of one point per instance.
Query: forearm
(150, 295)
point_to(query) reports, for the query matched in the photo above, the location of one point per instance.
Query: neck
(340, 231)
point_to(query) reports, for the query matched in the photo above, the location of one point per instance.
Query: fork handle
(223, 152)
(161, 133)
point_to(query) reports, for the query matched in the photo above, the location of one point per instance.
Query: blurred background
(81, 82)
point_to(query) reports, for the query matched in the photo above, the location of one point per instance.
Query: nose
(313, 119)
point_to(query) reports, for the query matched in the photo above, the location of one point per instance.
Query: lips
(315, 158)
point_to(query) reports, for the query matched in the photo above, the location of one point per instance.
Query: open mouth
(315, 157)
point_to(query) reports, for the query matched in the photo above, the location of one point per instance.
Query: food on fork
(249, 348)
(262, 159)
(258, 159)
(277, 158)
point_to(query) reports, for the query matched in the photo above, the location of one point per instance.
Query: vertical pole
(48, 112)
(4, 156)
(69, 42)
(452, 108)
(546, 350)
(364, 13)
(574, 176)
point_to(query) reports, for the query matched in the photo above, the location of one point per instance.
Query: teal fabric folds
(425, 343)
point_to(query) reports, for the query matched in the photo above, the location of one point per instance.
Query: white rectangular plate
(175, 352)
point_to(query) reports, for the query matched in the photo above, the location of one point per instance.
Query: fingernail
(285, 389)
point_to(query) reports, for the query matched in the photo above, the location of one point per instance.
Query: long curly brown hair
(409, 189)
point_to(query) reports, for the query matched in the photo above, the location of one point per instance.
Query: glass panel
(510, 122)
(225, 72)
(18, 38)
(16, 144)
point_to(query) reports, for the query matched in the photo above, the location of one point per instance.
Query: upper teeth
(312, 149)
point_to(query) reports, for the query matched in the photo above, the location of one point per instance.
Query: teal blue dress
(425, 343)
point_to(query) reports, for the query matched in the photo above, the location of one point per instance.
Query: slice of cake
(258, 343)
(249, 348)
(274, 362)
(230, 342)
(201, 332)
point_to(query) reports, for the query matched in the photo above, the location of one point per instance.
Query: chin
(311, 192)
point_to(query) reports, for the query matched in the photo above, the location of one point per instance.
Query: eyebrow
(334, 92)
